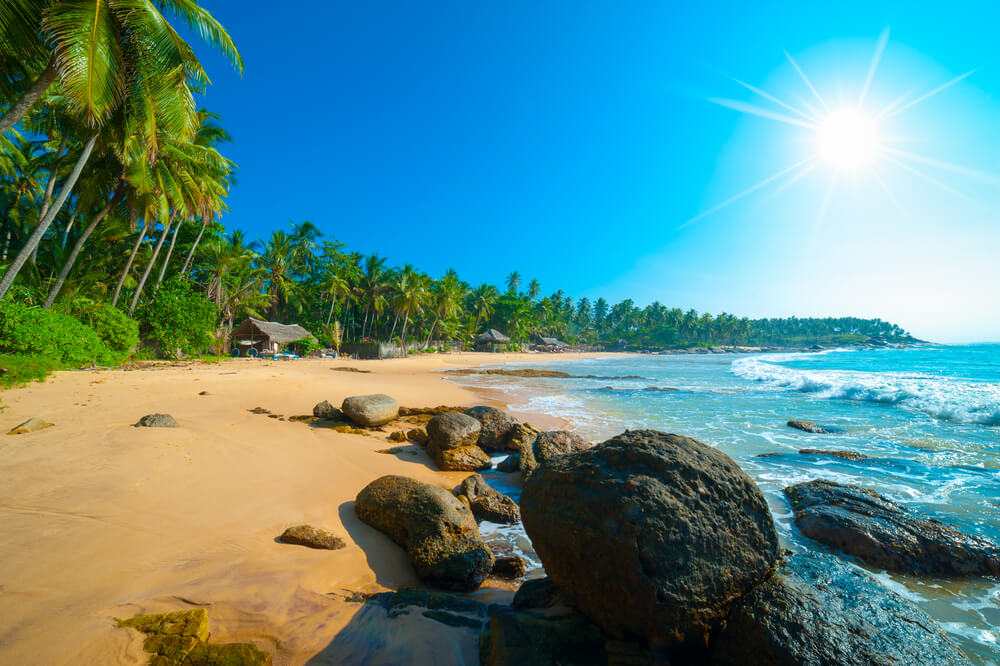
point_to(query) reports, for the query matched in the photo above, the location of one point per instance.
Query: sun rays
(845, 138)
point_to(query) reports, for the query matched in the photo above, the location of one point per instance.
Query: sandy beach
(104, 520)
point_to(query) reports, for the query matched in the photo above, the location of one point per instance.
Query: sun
(847, 139)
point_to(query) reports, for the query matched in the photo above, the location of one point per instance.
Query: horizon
(614, 136)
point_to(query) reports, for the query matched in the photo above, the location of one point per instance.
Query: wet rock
(452, 429)
(34, 424)
(307, 535)
(818, 611)
(510, 566)
(325, 410)
(809, 426)
(488, 503)
(180, 639)
(156, 421)
(523, 639)
(438, 532)
(522, 442)
(495, 426)
(862, 523)
(650, 534)
(511, 463)
(417, 436)
(536, 594)
(370, 410)
(846, 455)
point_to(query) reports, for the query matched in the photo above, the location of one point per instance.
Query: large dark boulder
(817, 611)
(535, 594)
(460, 459)
(495, 426)
(650, 534)
(437, 530)
(452, 438)
(522, 639)
(555, 443)
(370, 410)
(488, 503)
(862, 523)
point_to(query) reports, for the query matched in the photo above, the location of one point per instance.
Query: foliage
(18, 369)
(26, 329)
(118, 332)
(179, 319)
(304, 345)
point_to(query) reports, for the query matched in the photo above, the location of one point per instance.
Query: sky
(590, 144)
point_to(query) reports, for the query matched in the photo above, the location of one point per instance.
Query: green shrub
(119, 333)
(303, 346)
(23, 368)
(26, 329)
(179, 319)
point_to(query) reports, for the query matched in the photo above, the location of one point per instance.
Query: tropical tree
(513, 282)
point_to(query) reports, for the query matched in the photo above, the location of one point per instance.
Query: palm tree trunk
(69, 227)
(68, 266)
(149, 267)
(406, 320)
(190, 254)
(166, 260)
(333, 304)
(430, 333)
(128, 264)
(51, 185)
(395, 321)
(30, 96)
(43, 224)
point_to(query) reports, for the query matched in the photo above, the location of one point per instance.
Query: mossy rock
(179, 639)
(227, 654)
(193, 623)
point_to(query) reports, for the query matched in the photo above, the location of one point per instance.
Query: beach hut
(543, 343)
(265, 337)
(489, 340)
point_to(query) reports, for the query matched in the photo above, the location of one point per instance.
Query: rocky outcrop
(34, 424)
(488, 503)
(522, 443)
(536, 594)
(156, 421)
(494, 427)
(307, 535)
(511, 463)
(452, 438)
(437, 530)
(181, 639)
(324, 410)
(816, 429)
(460, 459)
(853, 456)
(650, 534)
(510, 566)
(555, 443)
(417, 436)
(523, 639)
(862, 523)
(370, 410)
(818, 611)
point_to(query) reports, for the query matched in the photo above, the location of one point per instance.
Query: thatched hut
(265, 337)
(544, 343)
(489, 340)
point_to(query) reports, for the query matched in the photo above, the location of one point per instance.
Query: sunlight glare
(847, 139)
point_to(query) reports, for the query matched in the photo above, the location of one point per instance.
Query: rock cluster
(487, 503)
(181, 639)
(495, 426)
(452, 438)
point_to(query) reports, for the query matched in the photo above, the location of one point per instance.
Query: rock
(417, 436)
(510, 566)
(650, 534)
(536, 594)
(522, 639)
(522, 442)
(452, 429)
(438, 532)
(461, 459)
(549, 445)
(511, 463)
(33, 424)
(818, 611)
(862, 523)
(180, 639)
(488, 503)
(307, 535)
(809, 426)
(370, 410)
(495, 426)
(475, 486)
(397, 436)
(846, 455)
(325, 410)
(156, 421)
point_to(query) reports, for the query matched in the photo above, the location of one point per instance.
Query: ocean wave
(943, 399)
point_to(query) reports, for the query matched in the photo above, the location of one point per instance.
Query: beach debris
(816, 610)
(34, 424)
(156, 421)
(370, 410)
(488, 503)
(809, 426)
(397, 436)
(860, 522)
(537, 593)
(347, 368)
(180, 638)
(417, 436)
(525, 638)
(650, 534)
(495, 426)
(438, 532)
(307, 535)
(452, 438)
(324, 410)
(204, 393)
(510, 566)
(259, 410)
(846, 455)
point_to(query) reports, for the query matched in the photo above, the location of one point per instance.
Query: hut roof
(551, 342)
(275, 331)
(492, 335)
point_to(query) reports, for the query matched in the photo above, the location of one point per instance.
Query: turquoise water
(928, 416)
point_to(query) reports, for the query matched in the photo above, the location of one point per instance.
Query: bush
(179, 319)
(19, 369)
(119, 333)
(26, 329)
(303, 346)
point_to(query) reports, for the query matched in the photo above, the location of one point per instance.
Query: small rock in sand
(324, 410)
(307, 535)
(156, 421)
(31, 425)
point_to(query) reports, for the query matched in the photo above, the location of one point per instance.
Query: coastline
(105, 520)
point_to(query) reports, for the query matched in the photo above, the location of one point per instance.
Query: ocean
(927, 416)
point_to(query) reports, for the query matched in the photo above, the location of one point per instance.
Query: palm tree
(446, 300)
(513, 282)
(483, 299)
(372, 288)
(278, 262)
(336, 288)
(411, 294)
(534, 288)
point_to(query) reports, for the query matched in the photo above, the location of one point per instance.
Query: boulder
(549, 445)
(511, 463)
(522, 441)
(307, 535)
(370, 410)
(461, 459)
(451, 430)
(397, 436)
(417, 436)
(156, 421)
(33, 424)
(650, 534)
(818, 611)
(488, 503)
(809, 426)
(510, 566)
(862, 523)
(325, 410)
(495, 426)
(437, 530)
(536, 594)
(180, 639)
(523, 639)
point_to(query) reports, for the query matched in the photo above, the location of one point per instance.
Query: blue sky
(574, 142)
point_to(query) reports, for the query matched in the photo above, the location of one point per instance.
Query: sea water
(927, 417)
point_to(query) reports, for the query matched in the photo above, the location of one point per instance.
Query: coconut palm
(513, 282)
(484, 298)
(372, 288)
(534, 288)
(446, 300)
